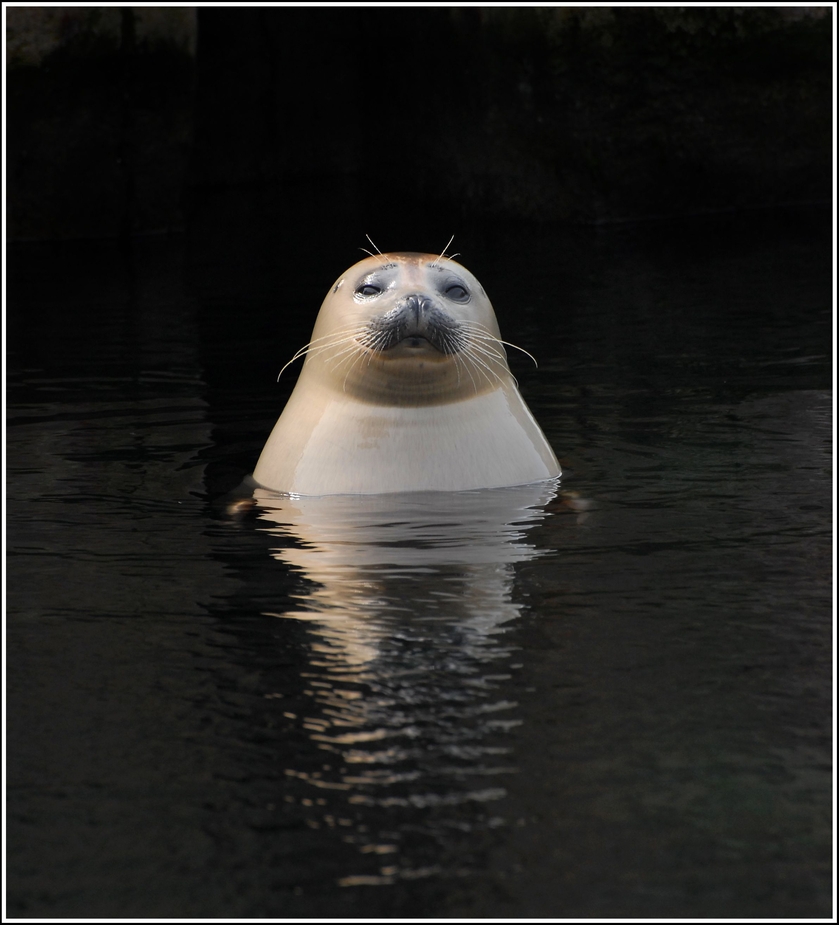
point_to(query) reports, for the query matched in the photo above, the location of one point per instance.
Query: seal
(405, 387)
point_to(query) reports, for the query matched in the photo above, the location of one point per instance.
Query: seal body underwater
(405, 387)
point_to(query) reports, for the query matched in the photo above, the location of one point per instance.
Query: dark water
(608, 698)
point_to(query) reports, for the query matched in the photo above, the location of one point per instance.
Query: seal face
(405, 387)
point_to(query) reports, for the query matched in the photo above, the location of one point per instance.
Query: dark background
(394, 120)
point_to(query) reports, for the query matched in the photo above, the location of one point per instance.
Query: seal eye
(368, 290)
(457, 293)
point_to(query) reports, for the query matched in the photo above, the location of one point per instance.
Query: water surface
(606, 697)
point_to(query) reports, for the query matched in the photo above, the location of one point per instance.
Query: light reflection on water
(407, 619)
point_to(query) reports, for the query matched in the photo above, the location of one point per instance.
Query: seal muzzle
(415, 318)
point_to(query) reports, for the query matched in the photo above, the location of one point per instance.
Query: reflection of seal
(405, 388)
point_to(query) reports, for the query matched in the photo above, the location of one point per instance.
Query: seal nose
(417, 306)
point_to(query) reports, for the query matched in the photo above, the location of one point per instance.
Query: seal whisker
(378, 253)
(336, 360)
(348, 338)
(436, 261)
(374, 344)
(365, 342)
(453, 342)
(473, 355)
(301, 352)
(489, 345)
(443, 254)
(320, 344)
(490, 356)
(461, 361)
(351, 349)
(520, 350)
(335, 335)
(349, 353)
(493, 356)
(481, 333)
(373, 339)
(482, 371)
(356, 357)
(487, 350)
